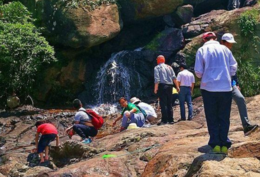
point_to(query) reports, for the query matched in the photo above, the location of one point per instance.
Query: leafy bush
(22, 49)
(248, 77)
(248, 21)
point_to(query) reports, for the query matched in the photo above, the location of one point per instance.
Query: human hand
(238, 87)
(155, 91)
(114, 123)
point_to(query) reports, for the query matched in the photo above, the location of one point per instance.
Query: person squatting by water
(186, 81)
(228, 40)
(215, 65)
(164, 77)
(130, 114)
(48, 134)
(82, 123)
(149, 110)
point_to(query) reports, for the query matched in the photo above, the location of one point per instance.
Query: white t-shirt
(82, 116)
(186, 78)
(148, 109)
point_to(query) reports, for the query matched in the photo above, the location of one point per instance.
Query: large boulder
(204, 6)
(79, 26)
(142, 9)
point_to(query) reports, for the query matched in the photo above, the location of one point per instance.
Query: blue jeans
(185, 96)
(217, 107)
(137, 118)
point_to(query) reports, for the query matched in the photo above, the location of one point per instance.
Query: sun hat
(228, 37)
(208, 34)
(132, 126)
(134, 100)
(160, 59)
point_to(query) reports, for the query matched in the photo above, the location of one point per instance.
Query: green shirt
(129, 107)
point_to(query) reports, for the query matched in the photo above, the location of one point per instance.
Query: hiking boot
(224, 150)
(216, 149)
(86, 141)
(249, 129)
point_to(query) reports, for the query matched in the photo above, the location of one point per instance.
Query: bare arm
(192, 88)
(57, 140)
(156, 88)
(117, 119)
(176, 84)
(36, 140)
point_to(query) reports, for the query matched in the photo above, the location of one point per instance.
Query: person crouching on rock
(48, 134)
(130, 114)
(83, 123)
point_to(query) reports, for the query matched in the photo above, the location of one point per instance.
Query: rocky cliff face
(86, 34)
(169, 150)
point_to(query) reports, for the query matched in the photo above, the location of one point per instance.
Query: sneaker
(249, 129)
(224, 150)
(216, 149)
(86, 141)
(147, 125)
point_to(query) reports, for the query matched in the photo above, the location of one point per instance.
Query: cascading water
(119, 77)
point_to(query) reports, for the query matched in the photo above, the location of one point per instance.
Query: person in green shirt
(130, 114)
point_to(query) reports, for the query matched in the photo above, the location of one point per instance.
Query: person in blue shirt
(228, 40)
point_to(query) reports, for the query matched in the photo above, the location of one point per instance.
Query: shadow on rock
(198, 161)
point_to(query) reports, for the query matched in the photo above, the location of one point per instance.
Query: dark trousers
(84, 131)
(217, 107)
(165, 95)
(174, 98)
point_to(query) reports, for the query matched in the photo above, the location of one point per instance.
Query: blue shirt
(163, 74)
(215, 65)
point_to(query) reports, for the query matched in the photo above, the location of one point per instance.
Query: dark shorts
(45, 140)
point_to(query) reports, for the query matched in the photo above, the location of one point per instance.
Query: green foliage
(248, 77)
(22, 49)
(248, 21)
(85, 3)
(153, 45)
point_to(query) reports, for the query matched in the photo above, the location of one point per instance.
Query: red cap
(160, 59)
(208, 34)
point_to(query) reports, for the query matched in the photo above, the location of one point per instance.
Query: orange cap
(160, 59)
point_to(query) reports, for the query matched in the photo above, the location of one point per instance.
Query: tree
(23, 51)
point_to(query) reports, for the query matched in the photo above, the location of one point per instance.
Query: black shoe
(180, 120)
(249, 129)
(171, 123)
(161, 123)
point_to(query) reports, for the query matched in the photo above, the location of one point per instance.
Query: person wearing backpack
(148, 109)
(83, 125)
(130, 114)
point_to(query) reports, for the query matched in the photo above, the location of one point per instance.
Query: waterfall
(118, 78)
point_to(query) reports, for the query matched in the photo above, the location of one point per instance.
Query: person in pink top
(48, 134)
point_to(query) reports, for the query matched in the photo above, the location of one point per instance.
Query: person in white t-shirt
(149, 110)
(186, 81)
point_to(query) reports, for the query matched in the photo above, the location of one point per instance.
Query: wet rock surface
(170, 150)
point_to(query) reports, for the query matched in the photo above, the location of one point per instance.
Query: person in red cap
(164, 77)
(215, 65)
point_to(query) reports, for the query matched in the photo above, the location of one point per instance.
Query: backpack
(142, 111)
(97, 120)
